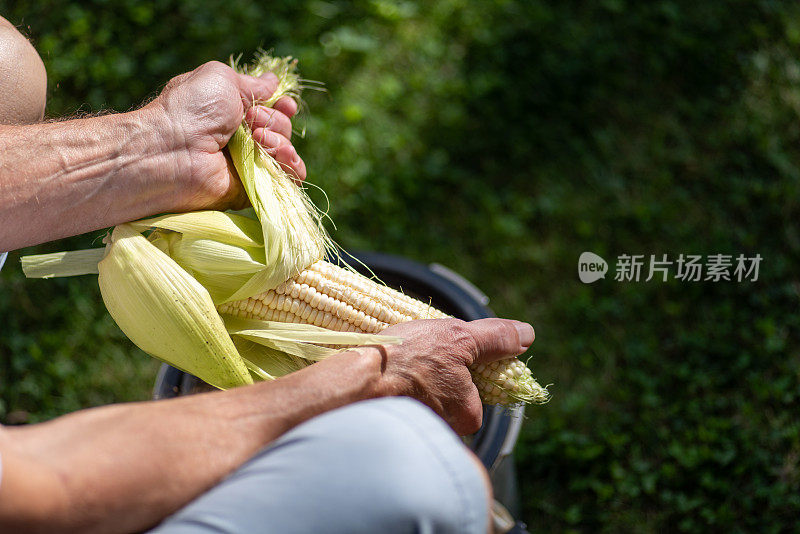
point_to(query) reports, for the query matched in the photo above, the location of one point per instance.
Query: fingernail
(526, 334)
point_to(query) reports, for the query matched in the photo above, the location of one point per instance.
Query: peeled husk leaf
(293, 236)
(230, 228)
(300, 340)
(266, 363)
(166, 312)
(70, 263)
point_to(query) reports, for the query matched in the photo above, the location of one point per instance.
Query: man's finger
(286, 105)
(269, 139)
(253, 89)
(496, 339)
(282, 150)
(291, 162)
(272, 119)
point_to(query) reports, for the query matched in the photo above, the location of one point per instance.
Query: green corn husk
(163, 289)
(166, 312)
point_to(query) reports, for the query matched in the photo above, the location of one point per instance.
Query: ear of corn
(334, 298)
(283, 306)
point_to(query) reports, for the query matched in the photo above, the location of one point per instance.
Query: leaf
(166, 312)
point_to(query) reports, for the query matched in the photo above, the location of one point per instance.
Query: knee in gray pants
(386, 465)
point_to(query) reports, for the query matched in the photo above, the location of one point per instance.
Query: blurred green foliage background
(503, 139)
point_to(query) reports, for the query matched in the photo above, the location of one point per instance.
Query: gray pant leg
(386, 465)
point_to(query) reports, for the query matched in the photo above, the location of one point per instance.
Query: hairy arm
(64, 178)
(125, 467)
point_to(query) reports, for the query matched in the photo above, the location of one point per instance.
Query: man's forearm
(126, 467)
(65, 178)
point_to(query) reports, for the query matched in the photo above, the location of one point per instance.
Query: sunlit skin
(125, 467)
(65, 178)
(23, 79)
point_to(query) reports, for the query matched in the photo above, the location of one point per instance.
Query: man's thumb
(496, 339)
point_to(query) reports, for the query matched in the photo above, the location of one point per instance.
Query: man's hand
(97, 470)
(204, 108)
(65, 178)
(432, 363)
